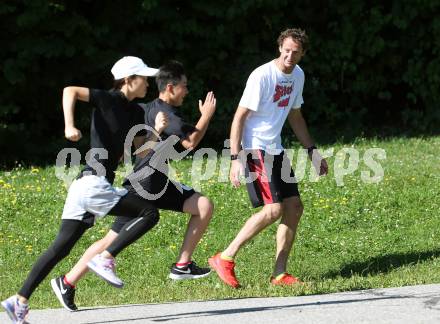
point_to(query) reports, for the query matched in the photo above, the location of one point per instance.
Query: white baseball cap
(131, 65)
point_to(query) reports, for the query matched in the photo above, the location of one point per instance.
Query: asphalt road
(416, 304)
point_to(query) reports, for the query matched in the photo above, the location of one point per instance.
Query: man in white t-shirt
(273, 94)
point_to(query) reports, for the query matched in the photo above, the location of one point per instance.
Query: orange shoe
(285, 280)
(224, 269)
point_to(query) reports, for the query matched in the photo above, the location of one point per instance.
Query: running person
(273, 94)
(172, 84)
(91, 195)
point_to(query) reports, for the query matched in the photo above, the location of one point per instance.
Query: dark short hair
(117, 84)
(297, 35)
(169, 73)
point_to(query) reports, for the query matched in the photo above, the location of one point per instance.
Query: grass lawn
(352, 236)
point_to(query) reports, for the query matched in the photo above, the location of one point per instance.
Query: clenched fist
(72, 134)
(160, 122)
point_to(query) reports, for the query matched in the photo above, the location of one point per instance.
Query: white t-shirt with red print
(270, 94)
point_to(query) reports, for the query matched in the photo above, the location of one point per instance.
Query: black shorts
(173, 197)
(271, 180)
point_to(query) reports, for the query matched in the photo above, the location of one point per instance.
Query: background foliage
(373, 68)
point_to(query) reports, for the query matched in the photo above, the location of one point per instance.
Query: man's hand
(323, 168)
(72, 134)
(319, 163)
(235, 172)
(208, 107)
(160, 122)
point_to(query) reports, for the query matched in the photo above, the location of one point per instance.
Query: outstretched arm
(207, 109)
(70, 95)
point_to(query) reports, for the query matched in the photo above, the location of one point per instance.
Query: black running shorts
(173, 197)
(268, 179)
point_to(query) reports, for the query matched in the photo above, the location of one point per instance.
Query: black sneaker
(191, 271)
(64, 293)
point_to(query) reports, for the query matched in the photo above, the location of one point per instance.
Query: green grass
(351, 237)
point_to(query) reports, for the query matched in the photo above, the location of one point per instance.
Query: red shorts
(268, 179)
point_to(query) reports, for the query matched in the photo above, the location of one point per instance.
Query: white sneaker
(105, 268)
(16, 311)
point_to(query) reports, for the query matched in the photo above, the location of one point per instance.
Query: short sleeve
(298, 101)
(177, 126)
(96, 97)
(138, 117)
(253, 92)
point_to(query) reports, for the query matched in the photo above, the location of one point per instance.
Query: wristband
(234, 157)
(310, 149)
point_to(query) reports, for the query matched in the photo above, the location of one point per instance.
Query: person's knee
(199, 206)
(152, 215)
(272, 212)
(206, 207)
(297, 207)
(59, 249)
(293, 210)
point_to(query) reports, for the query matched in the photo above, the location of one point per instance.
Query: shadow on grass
(383, 264)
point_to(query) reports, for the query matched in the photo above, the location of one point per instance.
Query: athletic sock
(20, 303)
(183, 264)
(226, 258)
(280, 276)
(66, 282)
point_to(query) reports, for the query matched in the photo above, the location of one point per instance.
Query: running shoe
(224, 269)
(105, 268)
(64, 293)
(191, 271)
(285, 280)
(16, 311)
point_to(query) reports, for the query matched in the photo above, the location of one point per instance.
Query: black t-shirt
(176, 126)
(112, 118)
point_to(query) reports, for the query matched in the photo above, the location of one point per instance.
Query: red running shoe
(285, 280)
(224, 269)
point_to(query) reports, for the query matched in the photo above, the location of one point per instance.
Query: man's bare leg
(255, 224)
(201, 210)
(292, 211)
